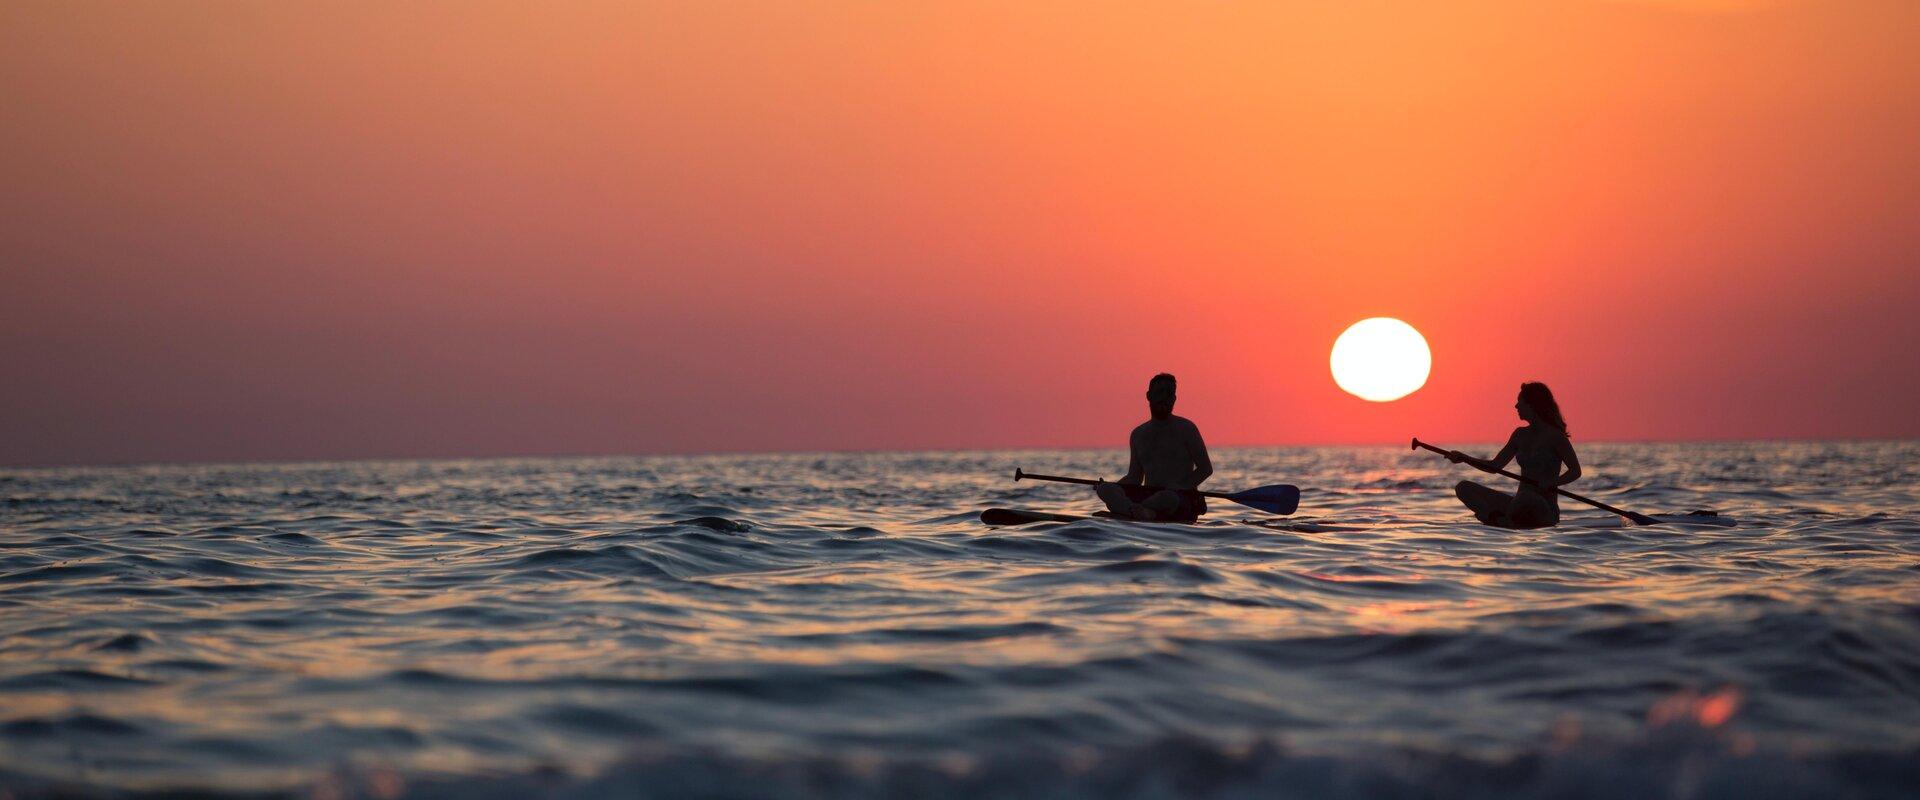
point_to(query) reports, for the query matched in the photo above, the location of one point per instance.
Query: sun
(1381, 359)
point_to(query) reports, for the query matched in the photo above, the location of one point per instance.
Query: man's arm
(1202, 465)
(1135, 473)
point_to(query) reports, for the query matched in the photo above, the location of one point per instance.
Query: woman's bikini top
(1538, 460)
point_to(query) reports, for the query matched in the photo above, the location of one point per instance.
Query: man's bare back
(1168, 452)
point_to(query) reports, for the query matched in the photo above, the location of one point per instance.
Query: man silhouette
(1166, 452)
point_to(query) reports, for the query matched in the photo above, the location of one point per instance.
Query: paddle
(1277, 499)
(1638, 519)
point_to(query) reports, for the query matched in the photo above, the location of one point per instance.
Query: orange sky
(257, 230)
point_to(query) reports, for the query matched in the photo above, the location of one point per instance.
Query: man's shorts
(1192, 505)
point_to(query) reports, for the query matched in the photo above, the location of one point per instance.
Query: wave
(1681, 764)
(842, 625)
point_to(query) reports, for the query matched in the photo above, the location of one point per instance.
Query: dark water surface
(841, 625)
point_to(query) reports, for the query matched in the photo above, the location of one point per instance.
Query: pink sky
(273, 231)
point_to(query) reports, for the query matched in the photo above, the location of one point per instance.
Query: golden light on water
(1381, 359)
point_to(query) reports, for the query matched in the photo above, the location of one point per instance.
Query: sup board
(1695, 518)
(1017, 516)
(1020, 516)
(1000, 517)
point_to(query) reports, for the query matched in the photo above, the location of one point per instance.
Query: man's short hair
(1164, 377)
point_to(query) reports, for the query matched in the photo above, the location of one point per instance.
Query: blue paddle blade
(1277, 499)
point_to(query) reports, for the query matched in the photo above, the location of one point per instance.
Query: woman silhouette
(1542, 446)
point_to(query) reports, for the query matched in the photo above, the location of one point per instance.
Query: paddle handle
(1639, 518)
(1020, 475)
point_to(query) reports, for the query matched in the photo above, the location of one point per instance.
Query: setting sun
(1381, 359)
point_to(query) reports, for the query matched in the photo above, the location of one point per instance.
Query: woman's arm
(1494, 464)
(1564, 449)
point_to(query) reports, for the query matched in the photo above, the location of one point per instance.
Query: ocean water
(841, 625)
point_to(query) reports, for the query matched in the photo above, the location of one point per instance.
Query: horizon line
(854, 450)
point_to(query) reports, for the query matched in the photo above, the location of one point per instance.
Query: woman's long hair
(1541, 398)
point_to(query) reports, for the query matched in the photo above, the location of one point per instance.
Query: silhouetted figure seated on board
(1541, 446)
(1166, 451)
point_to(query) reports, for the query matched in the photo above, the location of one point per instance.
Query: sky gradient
(236, 231)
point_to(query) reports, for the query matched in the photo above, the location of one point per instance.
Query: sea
(842, 625)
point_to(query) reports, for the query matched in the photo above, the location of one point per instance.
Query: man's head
(1160, 395)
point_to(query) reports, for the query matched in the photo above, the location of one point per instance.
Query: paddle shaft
(1020, 475)
(1640, 518)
